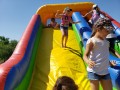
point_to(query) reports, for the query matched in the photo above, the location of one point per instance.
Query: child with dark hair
(65, 83)
(53, 23)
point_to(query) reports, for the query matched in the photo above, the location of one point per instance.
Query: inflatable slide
(38, 59)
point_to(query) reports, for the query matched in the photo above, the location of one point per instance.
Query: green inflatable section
(117, 46)
(26, 81)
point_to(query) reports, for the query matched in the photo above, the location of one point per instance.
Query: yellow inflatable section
(67, 61)
(53, 61)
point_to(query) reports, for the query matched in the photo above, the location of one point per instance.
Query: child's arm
(58, 15)
(89, 47)
(88, 13)
(112, 63)
(57, 25)
(75, 22)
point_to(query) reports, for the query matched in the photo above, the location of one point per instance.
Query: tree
(6, 47)
(4, 40)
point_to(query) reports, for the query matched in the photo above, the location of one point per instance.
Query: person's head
(67, 10)
(53, 19)
(102, 26)
(65, 83)
(95, 6)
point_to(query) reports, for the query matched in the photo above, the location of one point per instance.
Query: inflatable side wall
(13, 70)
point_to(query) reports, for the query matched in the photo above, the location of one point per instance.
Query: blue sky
(16, 14)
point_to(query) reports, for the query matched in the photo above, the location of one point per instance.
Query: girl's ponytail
(93, 31)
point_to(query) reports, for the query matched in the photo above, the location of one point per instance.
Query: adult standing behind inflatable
(95, 12)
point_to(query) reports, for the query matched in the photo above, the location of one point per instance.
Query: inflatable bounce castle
(38, 59)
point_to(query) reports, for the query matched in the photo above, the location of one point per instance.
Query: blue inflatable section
(18, 71)
(115, 76)
(83, 27)
(115, 71)
(117, 31)
(85, 32)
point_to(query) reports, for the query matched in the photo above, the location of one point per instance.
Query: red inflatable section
(113, 20)
(17, 54)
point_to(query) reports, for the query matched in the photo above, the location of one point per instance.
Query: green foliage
(6, 47)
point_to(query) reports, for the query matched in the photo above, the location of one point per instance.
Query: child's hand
(58, 11)
(91, 63)
(76, 22)
(112, 63)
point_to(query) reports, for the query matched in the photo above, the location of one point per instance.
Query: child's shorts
(94, 76)
(63, 27)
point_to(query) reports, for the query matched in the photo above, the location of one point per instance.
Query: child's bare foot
(65, 46)
(62, 46)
